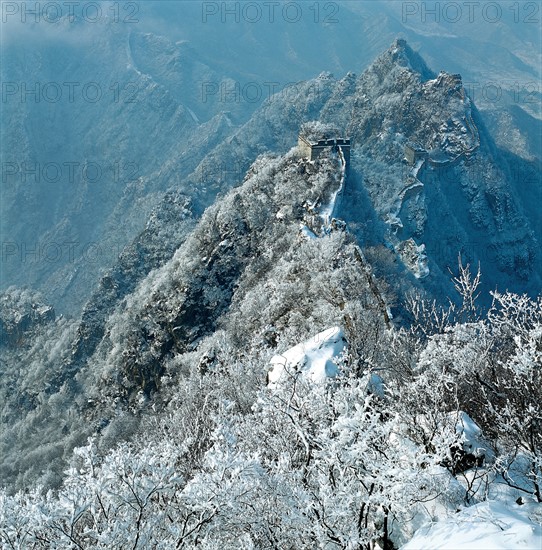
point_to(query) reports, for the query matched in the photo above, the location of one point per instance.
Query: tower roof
(313, 132)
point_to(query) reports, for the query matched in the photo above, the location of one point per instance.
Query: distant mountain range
(101, 120)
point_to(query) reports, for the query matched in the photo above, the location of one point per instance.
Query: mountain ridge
(188, 285)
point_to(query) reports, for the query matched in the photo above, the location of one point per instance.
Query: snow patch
(414, 257)
(490, 525)
(394, 220)
(416, 168)
(472, 434)
(193, 115)
(328, 210)
(315, 359)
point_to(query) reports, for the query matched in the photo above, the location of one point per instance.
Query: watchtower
(311, 147)
(414, 152)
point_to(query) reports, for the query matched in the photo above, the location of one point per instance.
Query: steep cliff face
(466, 180)
(165, 231)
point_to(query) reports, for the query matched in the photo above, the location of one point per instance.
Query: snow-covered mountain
(85, 163)
(177, 283)
(278, 352)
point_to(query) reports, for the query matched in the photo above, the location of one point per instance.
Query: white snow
(394, 220)
(490, 525)
(193, 115)
(416, 168)
(416, 186)
(327, 210)
(472, 434)
(130, 60)
(315, 358)
(421, 270)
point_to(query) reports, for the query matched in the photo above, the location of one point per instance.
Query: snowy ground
(313, 358)
(490, 525)
(498, 523)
